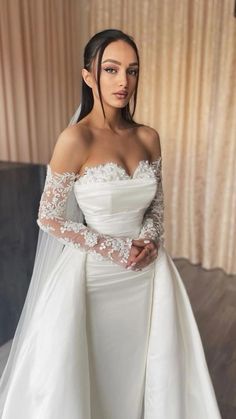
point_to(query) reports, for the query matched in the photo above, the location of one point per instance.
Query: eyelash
(110, 68)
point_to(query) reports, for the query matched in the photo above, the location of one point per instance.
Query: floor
(213, 297)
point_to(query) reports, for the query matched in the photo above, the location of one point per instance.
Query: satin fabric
(107, 343)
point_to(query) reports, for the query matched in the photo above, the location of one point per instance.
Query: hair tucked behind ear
(95, 48)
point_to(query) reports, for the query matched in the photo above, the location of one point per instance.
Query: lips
(121, 94)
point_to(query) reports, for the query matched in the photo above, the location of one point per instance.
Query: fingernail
(146, 241)
(133, 264)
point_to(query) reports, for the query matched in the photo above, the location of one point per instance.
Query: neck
(113, 121)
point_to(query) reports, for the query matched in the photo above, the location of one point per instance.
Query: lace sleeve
(51, 218)
(153, 220)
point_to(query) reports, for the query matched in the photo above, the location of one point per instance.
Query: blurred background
(187, 92)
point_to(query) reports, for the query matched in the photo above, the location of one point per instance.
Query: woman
(108, 332)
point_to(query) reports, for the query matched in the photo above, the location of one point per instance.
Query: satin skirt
(118, 314)
(106, 343)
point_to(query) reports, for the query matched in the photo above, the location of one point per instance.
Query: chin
(117, 105)
(121, 104)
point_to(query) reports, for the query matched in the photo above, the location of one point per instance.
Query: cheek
(133, 81)
(106, 79)
(106, 84)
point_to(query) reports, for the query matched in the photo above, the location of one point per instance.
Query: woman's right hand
(143, 252)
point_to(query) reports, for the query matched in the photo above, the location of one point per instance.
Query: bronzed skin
(95, 140)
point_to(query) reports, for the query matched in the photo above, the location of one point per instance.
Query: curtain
(187, 92)
(40, 59)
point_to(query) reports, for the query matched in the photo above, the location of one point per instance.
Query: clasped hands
(142, 253)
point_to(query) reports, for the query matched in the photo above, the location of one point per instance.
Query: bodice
(112, 201)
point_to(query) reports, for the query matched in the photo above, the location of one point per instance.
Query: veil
(48, 250)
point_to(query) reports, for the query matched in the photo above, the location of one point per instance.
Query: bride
(107, 330)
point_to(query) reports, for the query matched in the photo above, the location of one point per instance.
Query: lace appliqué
(51, 219)
(111, 171)
(153, 221)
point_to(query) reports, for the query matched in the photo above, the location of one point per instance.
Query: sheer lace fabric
(153, 222)
(58, 186)
(51, 218)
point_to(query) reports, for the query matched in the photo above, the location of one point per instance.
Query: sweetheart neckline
(119, 166)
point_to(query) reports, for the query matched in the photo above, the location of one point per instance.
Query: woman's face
(119, 72)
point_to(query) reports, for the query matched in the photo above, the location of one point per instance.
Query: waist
(116, 224)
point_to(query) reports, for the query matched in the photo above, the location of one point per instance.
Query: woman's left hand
(146, 256)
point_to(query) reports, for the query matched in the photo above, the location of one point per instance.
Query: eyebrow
(117, 62)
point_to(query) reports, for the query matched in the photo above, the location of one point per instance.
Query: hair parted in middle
(95, 48)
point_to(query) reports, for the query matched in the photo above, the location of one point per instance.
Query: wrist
(117, 249)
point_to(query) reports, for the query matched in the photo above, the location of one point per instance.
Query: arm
(153, 220)
(59, 183)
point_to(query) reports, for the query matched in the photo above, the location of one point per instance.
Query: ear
(87, 77)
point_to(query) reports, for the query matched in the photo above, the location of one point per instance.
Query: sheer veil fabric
(47, 252)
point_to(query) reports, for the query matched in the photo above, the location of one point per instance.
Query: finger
(154, 244)
(141, 242)
(133, 254)
(150, 246)
(142, 256)
(154, 253)
(145, 262)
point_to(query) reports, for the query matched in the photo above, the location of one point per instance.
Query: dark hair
(96, 45)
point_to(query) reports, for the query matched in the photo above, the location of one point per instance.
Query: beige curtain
(187, 92)
(40, 59)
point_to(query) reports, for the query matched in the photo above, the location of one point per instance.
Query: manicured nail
(146, 241)
(133, 264)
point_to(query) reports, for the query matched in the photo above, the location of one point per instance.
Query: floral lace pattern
(153, 221)
(51, 218)
(110, 171)
(52, 209)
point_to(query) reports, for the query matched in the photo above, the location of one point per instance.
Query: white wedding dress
(105, 342)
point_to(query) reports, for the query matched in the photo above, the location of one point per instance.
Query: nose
(123, 79)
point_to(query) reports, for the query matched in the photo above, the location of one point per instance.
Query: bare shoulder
(151, 140)
(71, 149)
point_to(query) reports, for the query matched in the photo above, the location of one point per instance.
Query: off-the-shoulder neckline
(97, 166)
(118, 165)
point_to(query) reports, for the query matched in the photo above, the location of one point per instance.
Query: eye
(133, 71)
(107, 69)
